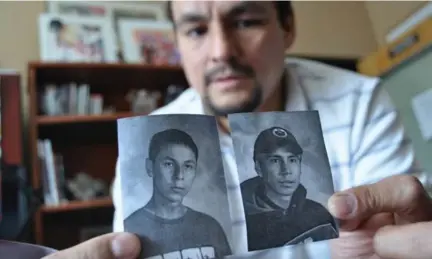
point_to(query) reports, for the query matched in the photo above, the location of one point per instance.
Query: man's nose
(284, 169)
(221, 47)
(178, 173)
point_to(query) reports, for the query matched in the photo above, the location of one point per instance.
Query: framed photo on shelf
(93, 8)
(71, 38)
(110, 10)
(113, 11)
(148, 42)
(143, 11)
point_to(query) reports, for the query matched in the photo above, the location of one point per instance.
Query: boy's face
(174, 171)
(280, 171)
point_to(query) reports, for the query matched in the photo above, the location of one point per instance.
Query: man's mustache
(233, 68)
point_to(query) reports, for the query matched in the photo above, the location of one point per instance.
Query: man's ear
(149, 167)
(258, 168)
(290, 31)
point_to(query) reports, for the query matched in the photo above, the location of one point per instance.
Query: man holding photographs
(277, 210)
(167, 228)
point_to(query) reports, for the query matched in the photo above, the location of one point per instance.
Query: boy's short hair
(169, 137)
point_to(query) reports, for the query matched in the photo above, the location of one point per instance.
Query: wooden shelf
(87, 143)
(116, 66)
(49, 120)
(78, 205)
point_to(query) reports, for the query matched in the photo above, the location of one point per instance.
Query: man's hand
(388, 219)
(109, 246)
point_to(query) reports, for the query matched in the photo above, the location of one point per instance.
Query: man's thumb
(109, 246)
(402, 195)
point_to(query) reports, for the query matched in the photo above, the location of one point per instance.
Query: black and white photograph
(285, 178)
(173, 186)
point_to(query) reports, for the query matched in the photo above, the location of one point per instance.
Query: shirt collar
(297, 198)
(296, 97)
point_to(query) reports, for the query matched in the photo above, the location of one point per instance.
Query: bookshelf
(87, 142)
(78, 205)
(46, 120)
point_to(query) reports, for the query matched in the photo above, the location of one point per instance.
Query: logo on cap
(280, 133)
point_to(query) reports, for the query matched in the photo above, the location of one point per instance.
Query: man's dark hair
(283, 8)
(169, 137)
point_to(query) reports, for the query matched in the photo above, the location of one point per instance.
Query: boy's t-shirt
(195, 235)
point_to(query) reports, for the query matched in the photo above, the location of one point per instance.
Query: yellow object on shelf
(407, 45)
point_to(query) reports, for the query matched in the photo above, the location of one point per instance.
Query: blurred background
(69, 70)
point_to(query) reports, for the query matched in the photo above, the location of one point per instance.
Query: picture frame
(148, 10)
(113, 11)
(93, 8)
(71, 38)
(148, 42)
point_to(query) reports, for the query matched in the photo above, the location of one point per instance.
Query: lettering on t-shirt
(207, 252)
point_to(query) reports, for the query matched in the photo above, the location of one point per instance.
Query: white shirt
(363, 134)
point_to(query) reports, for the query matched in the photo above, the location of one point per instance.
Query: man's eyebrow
(167, 157)
(245, 7)
(190, 161)
(271, 155)
(190, 18)
(241, 8)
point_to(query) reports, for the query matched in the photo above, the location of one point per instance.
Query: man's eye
(168, 164)
(196, 32)
(248, 23)
(293, 160)
(190, 167)
(274, 160)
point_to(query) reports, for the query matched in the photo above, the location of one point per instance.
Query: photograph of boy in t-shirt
(167, 227)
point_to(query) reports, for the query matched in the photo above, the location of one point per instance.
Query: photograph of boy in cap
(167, 227)
(277, 211)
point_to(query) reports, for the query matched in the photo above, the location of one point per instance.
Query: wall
(19, 41)
(385, 15)
(19, 33)
(403, 83)
(345, 33)
(317, 34)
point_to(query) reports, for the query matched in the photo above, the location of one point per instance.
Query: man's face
(232, 51)
(280, 171)
(174, 171)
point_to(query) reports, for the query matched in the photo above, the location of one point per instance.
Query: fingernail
(124, 246)
(342, 205)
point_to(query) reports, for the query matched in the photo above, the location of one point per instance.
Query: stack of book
(53, 173)
(70, 99)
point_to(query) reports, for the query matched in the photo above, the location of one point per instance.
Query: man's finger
(403, 195)
(358, 244)
(408, 241)
(109, 246)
